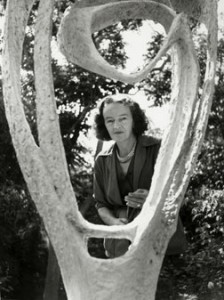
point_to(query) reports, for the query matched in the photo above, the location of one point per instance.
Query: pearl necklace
(128, 157)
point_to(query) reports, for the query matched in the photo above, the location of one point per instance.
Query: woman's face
(118, 121)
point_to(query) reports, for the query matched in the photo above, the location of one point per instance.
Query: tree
(48, 181)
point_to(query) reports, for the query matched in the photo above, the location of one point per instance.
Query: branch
(160, 69)
(80, 118)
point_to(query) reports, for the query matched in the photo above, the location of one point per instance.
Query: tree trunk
(134, 275)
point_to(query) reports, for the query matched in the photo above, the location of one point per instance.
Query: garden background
(24, 245)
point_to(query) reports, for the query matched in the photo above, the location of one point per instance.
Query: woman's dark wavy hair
(139, 118)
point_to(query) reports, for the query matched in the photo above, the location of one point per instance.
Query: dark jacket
(107, 194)
(106, 189)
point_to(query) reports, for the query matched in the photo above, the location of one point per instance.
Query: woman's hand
(120, 221)
(137, 198)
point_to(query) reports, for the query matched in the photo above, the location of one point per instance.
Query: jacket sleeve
(99, 184)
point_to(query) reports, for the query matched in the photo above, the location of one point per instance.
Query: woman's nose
(117, 124)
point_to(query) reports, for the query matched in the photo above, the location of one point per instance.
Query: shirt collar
(144, 141)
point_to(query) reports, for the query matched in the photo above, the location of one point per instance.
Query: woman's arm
(108, 217)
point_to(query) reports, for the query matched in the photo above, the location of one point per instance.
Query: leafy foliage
(10, 170)
(199, 270)
(22, 239)
(207, 216)
(157, 86)
(23, 247)
(209, 170)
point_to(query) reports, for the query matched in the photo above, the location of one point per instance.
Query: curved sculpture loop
(75, 33)
(134, 275)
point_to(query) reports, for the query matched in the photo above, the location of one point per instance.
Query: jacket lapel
(113, 187)
(140, 157)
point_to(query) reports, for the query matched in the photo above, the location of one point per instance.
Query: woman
(123, 173)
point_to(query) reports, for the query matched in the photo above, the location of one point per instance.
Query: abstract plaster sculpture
(135, 275)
